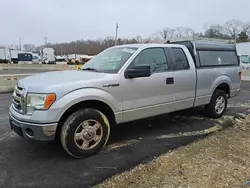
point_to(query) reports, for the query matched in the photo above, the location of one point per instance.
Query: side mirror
(138, 71)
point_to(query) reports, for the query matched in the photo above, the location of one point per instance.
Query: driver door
(148, 96)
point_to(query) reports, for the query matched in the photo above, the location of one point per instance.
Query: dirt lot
(219, 160)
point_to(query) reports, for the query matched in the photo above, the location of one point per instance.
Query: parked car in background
(123, 84)
(25, 58)
(62, 60)
(243, 50)
(245, 62)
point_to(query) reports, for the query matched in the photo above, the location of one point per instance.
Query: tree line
(232, 29)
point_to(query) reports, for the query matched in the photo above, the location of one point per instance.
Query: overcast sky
(67, 20)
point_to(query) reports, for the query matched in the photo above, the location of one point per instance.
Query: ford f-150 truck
(123, 84)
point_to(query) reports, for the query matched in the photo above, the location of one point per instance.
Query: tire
(211, 107)
(74, 135)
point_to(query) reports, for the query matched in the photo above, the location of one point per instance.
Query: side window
(179, 59)
(153, 56)
(218, 58)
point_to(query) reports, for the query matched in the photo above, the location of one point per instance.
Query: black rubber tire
(70, 125)
(210, 108)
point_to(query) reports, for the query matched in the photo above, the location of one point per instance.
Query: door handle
(170, 80)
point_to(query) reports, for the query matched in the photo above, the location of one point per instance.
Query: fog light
(29, 132)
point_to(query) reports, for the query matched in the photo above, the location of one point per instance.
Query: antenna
(45, 40)
(116, 33)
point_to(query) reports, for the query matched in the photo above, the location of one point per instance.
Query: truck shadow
(182, 121)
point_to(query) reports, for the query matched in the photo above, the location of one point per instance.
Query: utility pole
(20, 43)
(76, 47)
(116, 33)
(45, 41)
(61, 49)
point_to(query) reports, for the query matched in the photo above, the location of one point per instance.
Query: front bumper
(42, 132)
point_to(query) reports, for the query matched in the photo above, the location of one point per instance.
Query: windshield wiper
(90, 69)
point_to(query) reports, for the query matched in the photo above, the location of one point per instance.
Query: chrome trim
(19, 99)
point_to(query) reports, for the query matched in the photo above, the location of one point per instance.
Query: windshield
(245, 59)
(110, 60)
(25, 57)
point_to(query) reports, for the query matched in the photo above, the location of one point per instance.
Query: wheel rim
(88, 134)
(220, 104)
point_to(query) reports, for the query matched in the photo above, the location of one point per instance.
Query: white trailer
(48, 56)
(5, 55)
(14, 55)
(243, 48)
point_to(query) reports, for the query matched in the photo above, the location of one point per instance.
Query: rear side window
(218, 58)
(179, 59)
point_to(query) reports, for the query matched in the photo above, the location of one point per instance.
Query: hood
(63, 81)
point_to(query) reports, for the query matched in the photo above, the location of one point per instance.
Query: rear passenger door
(184, 77)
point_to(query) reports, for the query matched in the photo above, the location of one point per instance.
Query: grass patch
(220, 160)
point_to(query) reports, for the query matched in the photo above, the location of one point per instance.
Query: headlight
(39, 102)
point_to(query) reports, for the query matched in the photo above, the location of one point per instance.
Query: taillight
(240, 75)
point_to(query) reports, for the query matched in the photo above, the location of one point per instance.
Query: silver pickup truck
(122, 84)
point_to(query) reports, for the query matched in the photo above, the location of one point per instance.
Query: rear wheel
(85, 133)
(218, 104)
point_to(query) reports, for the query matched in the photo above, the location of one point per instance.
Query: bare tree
(188, 31)
(217, 28)
(166, 33)
(155, 37)
(232, 27)
(29, 47)
(14, 47)
(179, 32)
(139, 39)
(214, 31)
(146, 40)
(183, 31)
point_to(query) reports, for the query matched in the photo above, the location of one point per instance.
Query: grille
(18, 99)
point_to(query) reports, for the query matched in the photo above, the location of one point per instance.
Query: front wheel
(218, 104)
(85, 133)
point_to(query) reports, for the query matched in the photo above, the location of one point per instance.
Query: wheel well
(224, 87)
(101, 106)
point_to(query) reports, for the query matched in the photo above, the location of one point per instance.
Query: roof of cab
(147, 45)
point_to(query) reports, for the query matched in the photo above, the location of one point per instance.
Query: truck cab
(25, 58)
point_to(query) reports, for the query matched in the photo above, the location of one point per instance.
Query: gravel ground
(220, 160)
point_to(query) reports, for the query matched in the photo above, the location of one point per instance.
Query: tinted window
(24, 57)
(218, 58)
(179, 58)
(155, 57)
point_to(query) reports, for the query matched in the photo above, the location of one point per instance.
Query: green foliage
(242, 37)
